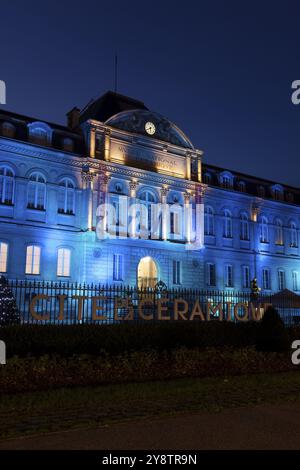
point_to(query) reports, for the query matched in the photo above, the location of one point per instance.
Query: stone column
(188, 165)
(88, 182)
(92, 142)
(199, 169)
(132, 209)
(187, 217)
(165, 219)
(199, 214)
(107, 146)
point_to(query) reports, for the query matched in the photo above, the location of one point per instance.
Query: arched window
(278, 232)
(227, 224)
(147, 199)
(66, 197)
(7, 185)
(226, 183)
(264, 230)
(209, 225)
(36, 198)
(277, 192)
(244, 227)
(40, 133)
(293, 234)
(226, 179)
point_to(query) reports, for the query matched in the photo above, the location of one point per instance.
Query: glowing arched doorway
(147, 273)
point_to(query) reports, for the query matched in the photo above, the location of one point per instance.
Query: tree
(272, 334)
(9, 314)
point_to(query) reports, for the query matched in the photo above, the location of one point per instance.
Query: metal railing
(74, 303)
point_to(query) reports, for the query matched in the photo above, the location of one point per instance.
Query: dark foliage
(67, 340)
(9, 314)
(272, 334)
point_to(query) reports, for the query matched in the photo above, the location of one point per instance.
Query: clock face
(150, 128)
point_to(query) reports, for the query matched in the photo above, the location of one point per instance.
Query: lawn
(66, 408)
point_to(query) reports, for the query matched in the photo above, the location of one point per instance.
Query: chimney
(73, 118)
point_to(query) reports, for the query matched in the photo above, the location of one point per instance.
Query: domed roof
(136, 119)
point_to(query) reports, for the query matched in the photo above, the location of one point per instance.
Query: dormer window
(207, 178)
(277, 192)
(8, 130)
(40, 133)
(242, 186)
(290, 197)
(226, 180)
(68, 144)
(261, 191)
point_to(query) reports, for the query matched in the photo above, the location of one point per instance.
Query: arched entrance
(147, 273)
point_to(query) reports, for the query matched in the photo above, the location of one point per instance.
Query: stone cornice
(51, 155)
(131, 172)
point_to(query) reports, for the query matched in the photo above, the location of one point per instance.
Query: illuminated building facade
(121, 196)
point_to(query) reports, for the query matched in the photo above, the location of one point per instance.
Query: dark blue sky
(221, 70)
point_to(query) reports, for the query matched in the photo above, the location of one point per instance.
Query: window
(281, 279)
(277, 192)
(3, 257)
(226, 182)
(246, 276)
(147, 199)
(209, 228)
(278, 232)
(115, 213)
(295, 280)
(228, 275)
(66, 197)
(261, 191)
(33, 259)
(211, 274)
(227, 224)
(8, 130)
(207, 178)
(36, 192)
(68, 144)
(40, 133)
(176, 272)
(242, 186)
(118, 268)
(175, 223)
(293, 235)
(266, 279)
(264, 230)
(63, 262)
(7, 185)
(244, 226)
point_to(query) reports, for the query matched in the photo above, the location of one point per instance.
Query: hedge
(67, 340)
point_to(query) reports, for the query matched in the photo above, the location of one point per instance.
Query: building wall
(92, 259)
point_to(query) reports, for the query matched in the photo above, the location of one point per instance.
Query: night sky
(221, 70)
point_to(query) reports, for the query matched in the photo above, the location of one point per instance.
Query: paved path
(260, 427)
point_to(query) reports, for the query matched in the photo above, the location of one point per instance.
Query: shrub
(67, 340)
(9, 314)
(272, 334)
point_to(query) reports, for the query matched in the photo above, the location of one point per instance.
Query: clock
(150, 128)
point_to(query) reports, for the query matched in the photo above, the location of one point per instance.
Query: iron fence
(74, 303)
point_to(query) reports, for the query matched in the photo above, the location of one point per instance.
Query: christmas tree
(9, 314)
